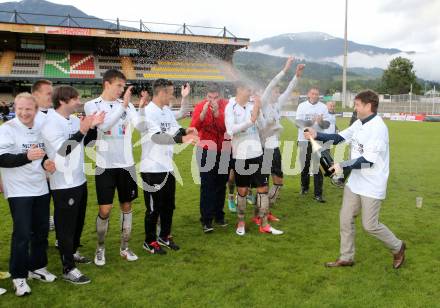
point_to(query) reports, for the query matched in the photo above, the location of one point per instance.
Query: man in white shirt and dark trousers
(311, 113)
(114, 160)
(243, 121)
(25, 188)
(64, 135)
(366, 187)
(42, 91)
(159, 132)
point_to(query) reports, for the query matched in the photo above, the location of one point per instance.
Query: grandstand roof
(19, 22)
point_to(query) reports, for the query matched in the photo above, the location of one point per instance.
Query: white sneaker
(241, 228)
(275, 231)
(42, 274)
(100, 257)
(2, 291)
(128, 255)
(21, 287)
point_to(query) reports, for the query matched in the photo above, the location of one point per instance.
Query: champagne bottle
(325, 162)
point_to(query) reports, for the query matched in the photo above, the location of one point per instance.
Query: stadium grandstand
(77, 51)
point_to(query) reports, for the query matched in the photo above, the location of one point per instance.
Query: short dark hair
(213, 88)
(313, 88)
(63, 94)
(161, 84)
(369, 97)
(39, 83)
(111, 75)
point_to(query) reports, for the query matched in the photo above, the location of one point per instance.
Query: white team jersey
(272, 111)
(246, 142)
(157, 157)
(30, 179)
(332, 128)
(113, 144)
(371, 141)
(307, 111)
(70, 169)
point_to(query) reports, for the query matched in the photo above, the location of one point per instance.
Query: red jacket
(210, 128)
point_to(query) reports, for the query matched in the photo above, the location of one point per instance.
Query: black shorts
(122, 179)
(273, 157)
(250, 172)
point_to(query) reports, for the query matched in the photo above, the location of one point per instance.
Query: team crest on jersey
(124, 115)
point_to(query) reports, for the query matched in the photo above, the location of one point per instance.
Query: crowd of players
(238, 143)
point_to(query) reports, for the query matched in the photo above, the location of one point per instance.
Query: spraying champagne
(326, 162)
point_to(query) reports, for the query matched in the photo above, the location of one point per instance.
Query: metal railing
(112, 24)
(410, 103)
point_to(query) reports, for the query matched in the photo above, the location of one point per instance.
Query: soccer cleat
(100, 257)
(42, 274)
(2, 291)
(51, 223)
(76, 277)
(154, 248)
(128, 255)
(271, 217)
(257, 220)
(208, 228)
(168, 244)
(21, 287)
(231, 205)
(78, 258)
(4, 275)
(268, 229)
(241, 228)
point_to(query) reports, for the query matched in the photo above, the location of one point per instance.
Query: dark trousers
(70, 211)
(212, 186)
(159, 194)
(30, 216)
(306, 150)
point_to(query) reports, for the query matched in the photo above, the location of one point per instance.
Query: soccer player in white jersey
(114, 160)
(25, 188)
(243, 120)
(159, 131)
(366, 187)
(42, 90)
(64, 136)
(273, 102)
(311, 113)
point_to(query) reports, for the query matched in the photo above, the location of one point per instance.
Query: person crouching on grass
(366, 187)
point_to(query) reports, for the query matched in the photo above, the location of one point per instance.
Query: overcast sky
(409, 25)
